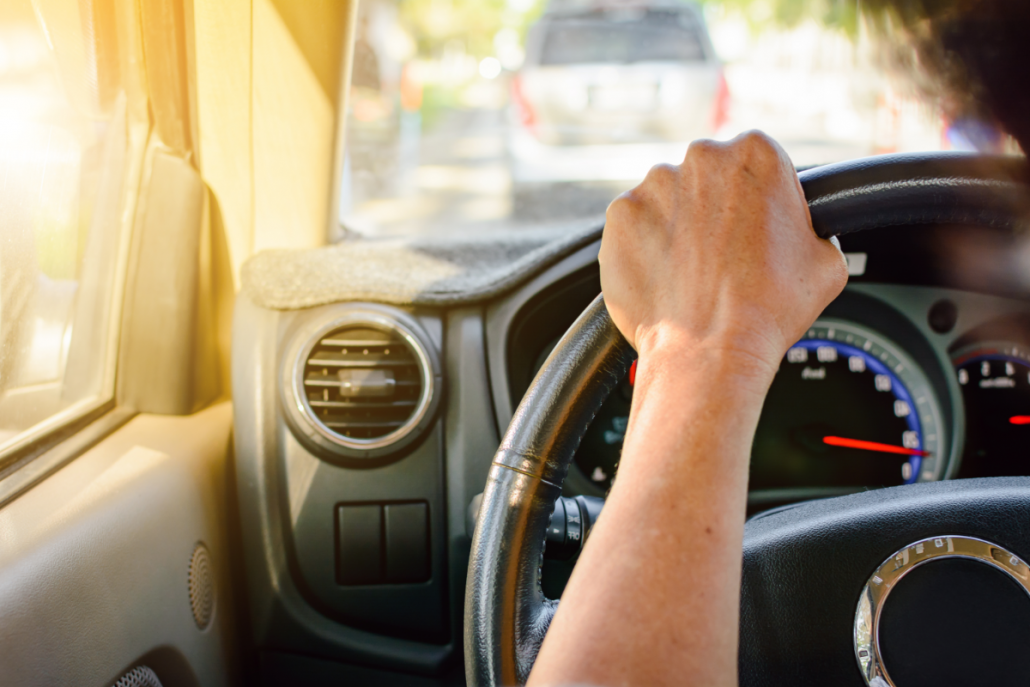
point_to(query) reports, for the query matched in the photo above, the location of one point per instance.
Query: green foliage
(473, 23)
(762, 14)
(437, 100)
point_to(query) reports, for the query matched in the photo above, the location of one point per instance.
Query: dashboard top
(448, 270)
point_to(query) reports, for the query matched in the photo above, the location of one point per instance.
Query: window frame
(42, 448)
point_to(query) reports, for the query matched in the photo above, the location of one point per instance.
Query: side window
(63, 146)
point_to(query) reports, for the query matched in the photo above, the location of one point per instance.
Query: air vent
(366, 383)
(362, 383)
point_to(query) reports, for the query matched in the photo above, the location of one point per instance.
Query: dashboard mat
(444, 270)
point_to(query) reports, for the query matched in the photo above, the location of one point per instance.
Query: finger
(836, 244)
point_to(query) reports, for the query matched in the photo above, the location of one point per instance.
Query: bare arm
(711, 270)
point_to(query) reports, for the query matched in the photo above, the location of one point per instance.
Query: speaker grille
(202, 591)
(140, 676)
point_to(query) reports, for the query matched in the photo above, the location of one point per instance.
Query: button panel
(407, 542)
(382, 543)
(359, 544)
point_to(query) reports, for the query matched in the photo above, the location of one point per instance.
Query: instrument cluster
(868, 399)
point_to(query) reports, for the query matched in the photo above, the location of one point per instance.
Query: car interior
(245, 442)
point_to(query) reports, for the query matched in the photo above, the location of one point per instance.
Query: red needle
(1020, 419)
(873, 446)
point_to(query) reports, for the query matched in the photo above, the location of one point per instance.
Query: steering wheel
(805, 567)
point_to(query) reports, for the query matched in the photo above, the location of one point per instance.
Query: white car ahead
(606, 90)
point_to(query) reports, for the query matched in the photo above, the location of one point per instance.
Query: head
(969, 55)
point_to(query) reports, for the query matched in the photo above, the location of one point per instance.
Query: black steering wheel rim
(506, 613)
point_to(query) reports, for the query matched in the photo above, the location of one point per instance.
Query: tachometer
(995, 382)
(847, 409)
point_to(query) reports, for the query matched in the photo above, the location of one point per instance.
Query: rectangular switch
(407, 542)
(359, 551)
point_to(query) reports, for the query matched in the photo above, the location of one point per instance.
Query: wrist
(694, 402)
(739, 364)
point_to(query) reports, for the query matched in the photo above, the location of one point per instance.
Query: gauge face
(995, 382)
(846, 409)
(599, 451)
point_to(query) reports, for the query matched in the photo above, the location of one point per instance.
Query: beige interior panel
(293, 139)
(222, 48)
(94, 560)
(317, 29)
(268, 76)
(164, 56)
(169, 362)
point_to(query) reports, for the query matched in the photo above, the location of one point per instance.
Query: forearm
(654, 598)
(710, 269)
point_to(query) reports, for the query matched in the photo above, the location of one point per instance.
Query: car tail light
(721, 106)
(527, 117)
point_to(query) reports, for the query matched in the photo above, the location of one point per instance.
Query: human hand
(718, 255)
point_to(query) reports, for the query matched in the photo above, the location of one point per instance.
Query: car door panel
(95, 560)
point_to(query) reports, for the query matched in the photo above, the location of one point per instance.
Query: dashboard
(365, 431)
(907, 377)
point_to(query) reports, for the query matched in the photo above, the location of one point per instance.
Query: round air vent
(364, 384)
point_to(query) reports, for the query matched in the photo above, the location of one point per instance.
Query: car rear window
(612, 38)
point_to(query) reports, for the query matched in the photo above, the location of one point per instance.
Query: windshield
(472, 116)
(615, 37)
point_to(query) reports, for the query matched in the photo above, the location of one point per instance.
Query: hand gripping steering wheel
(805, 568)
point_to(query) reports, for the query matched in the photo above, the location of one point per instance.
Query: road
(455, 179)
(452, 176)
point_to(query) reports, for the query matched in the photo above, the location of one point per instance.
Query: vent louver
(365, 384)
(362, 383)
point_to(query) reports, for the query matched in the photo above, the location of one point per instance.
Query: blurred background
(57, 171)
(478, 115)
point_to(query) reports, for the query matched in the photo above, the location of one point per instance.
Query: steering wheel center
(958, 613)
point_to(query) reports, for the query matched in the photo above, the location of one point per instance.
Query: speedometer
(847, 408)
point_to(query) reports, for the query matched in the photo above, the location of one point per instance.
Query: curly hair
(971, 56)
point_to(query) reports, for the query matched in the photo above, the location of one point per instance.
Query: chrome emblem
(884, 578)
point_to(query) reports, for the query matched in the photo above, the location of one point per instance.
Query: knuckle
(662, 175)
(621, 209)
(842, 269)
(702, 149)
(759, 145)
(836, 268)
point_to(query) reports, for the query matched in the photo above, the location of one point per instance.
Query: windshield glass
(475, 116)
(620, 37)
